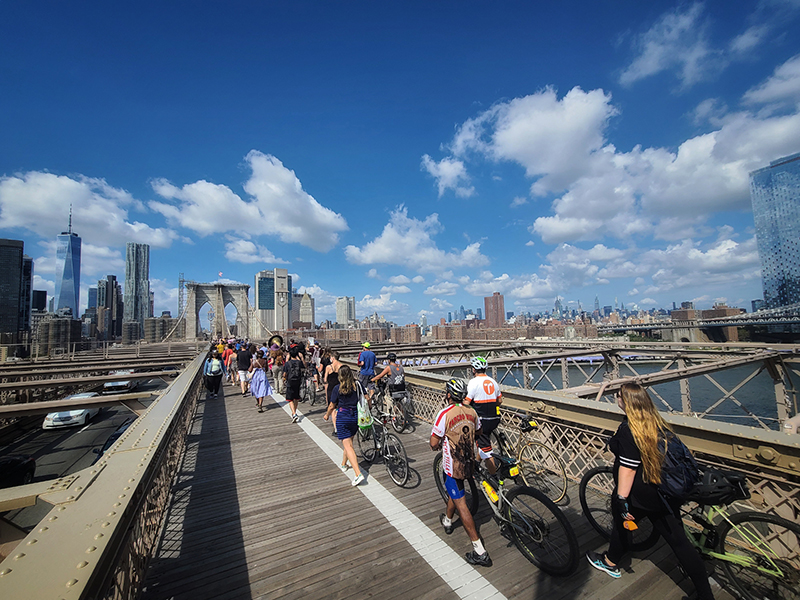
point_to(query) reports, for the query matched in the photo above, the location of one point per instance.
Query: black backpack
(680, 472)
(294, 370)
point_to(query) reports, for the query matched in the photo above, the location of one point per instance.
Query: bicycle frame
(706, 520)
(497, 507)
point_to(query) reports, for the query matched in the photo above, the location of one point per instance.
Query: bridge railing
(734, 386)
(577, 429)
(105, 520)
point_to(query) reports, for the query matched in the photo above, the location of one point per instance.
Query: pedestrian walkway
(261, 510)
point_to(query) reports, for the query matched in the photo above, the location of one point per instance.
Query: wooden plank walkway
(261, 510)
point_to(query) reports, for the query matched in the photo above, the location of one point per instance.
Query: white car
(68, 418)
(120, 387)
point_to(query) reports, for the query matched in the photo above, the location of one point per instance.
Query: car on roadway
(16, 469)
(69, 418)
(120, 387)
(113, 438)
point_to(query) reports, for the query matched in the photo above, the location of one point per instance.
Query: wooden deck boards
(260, 511)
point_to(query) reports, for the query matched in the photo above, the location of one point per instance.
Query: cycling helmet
(457, 388)
(392, 357)
(479, 363)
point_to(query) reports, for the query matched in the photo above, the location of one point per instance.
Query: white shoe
(344, 468)
(357, 480)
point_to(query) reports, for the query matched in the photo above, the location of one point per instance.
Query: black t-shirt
(626, 454)
(243, 359)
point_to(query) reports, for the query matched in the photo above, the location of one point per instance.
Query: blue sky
(415, 155)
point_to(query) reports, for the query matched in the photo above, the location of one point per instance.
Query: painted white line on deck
(456, 572)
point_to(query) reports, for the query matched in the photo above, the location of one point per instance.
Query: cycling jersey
(456, 425)
(484, 393)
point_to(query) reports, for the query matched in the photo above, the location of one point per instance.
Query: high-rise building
(775, 194)
(68, 270)
(495, 310)
(11, 253)
(307, 310)
(137, 284)
(26, 293)
(110, 308)
(345, 310)
(273, 301)
(39, 300)
(92, 303)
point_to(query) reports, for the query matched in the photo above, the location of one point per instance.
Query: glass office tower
(775, 194)
(68, 270)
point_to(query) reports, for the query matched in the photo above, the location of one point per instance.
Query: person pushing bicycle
(454, 430)
(483, 393)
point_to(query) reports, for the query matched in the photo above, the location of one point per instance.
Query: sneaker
(344, 468)
(448, 529)
(357, 480)
(598, 561)
(482, 560)
(294, 418)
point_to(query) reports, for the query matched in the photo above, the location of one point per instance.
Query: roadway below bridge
(63, 451)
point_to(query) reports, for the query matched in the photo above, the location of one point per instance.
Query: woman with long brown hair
(330, 378)
(637, 473)
(344, 397)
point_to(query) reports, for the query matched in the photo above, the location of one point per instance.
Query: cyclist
(637, 471)
(396, 373)
(483, 393)
(454, 430)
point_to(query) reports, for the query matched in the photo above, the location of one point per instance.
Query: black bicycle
(537, 526)
(396, 404)
(375, 441)
(308, 386)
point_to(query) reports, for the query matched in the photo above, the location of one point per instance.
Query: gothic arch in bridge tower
(218, 295)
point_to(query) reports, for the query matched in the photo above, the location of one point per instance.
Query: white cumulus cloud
(419, 251)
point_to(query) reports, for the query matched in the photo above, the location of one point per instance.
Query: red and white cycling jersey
(456, 425)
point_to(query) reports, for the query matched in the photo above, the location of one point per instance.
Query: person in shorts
(454, 430)
(243, 360)
(483, 394)
(366, 362)
(293, 375)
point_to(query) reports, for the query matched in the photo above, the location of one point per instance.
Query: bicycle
(539, 465)
(375, 441)
(759, 552)
(397, 405)
(308, 386)
(538, 528)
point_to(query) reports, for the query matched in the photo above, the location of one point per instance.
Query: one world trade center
(68, 270)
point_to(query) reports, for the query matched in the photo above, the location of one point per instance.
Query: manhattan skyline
(417, 157)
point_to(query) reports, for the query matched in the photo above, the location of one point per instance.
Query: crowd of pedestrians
(460, 430)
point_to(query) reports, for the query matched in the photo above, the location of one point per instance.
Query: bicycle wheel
(311, 387)
(366, 444)
(764, 555)
(541, 468)
(399, 417)
(395, 459)
(470, 489)
(541, 531)
(595, 491)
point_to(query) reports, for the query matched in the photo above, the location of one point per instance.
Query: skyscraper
(11, 253)
(273, 300)
(26, 292)
(775, 194)
(109, 308)
(307, 309)
(137, 284)
(68, 270)
(345, 309)
(495, 310)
